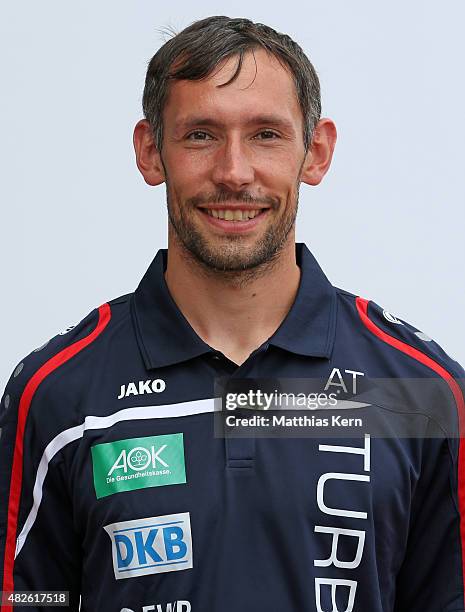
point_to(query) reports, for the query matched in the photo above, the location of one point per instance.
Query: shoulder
(387, 329)
(405, 357)
(61, 362)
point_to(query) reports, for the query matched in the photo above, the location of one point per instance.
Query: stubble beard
(229, 258)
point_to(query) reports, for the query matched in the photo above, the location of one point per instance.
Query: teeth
(232, 215)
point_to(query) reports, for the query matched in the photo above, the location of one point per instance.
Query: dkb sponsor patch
(151, 545)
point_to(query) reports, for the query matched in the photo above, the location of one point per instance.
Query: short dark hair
(194, 53)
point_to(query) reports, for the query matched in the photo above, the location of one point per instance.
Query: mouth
(233, 219)
(233, 214)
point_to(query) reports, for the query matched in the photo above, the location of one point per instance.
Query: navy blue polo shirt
(115, 487)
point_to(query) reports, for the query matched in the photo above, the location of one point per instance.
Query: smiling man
(114, 487)
(234, 149)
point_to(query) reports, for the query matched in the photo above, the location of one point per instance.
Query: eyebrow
(274, 120)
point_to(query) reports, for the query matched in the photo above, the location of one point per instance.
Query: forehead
(263, 85)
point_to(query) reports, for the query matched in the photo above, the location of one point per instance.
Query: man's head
(232, 124)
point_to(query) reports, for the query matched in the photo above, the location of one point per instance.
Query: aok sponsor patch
(138, 463)
(151, 545)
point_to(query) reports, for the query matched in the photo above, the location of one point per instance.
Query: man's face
(232, 158)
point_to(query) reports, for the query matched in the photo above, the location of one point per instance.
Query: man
(113, 485)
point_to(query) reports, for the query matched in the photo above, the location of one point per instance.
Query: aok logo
(136, 463)
(143, 386)
(139, 458)
(151, 545)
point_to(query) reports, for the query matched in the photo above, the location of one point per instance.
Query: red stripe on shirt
(362, 307)
(17, 467)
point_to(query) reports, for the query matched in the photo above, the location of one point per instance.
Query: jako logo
(143, 386)
(151, 545)
(68, 329)
(390, 317)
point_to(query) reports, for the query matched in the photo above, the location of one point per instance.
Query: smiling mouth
(235, 214)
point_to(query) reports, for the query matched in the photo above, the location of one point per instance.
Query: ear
(148, 158)
(320, 152)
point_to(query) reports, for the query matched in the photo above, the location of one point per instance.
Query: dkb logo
(151, 545)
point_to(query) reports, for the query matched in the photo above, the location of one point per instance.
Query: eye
(196, 133)
(269, 135)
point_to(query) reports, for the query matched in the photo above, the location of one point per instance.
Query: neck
(236, 312)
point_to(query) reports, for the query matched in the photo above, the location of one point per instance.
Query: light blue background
(79, 225)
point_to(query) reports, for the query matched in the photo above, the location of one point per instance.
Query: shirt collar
(165, 337)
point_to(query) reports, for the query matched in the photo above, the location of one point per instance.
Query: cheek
(186, 176)
(279, 172)
(190, 161)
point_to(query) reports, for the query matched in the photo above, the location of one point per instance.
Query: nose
(232, 165)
